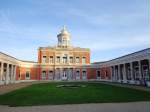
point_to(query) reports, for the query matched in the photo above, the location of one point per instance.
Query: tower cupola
(64, 38)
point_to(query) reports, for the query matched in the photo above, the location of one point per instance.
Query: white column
(131, 70)
(124, 73)
(11, 76)
(119, 73)
(7, 74)
(56, 74)
(140, 72)
(14, 73)
(2, 70)
(114, 73)
(149, 68)
(59, 73)
(74, 74)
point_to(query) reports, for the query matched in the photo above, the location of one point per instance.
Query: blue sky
(110, 28)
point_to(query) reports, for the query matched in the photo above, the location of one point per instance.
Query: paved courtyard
(103, 107)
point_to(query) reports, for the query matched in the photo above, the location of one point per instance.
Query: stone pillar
(74, 74)
(132, 71)
(112, 75)
(124, 73)
(115, 77)
(140, 71)
(2, 71)
(149, 69)
(67, 73)
(119, 78)
(14, 73)
(7, 74)
(61, 72)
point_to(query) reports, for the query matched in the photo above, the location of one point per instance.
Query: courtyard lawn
(50, 94)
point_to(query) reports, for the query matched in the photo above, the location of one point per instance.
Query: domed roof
(64, 31)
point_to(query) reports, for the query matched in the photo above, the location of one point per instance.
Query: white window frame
(97, 74)
(84, 74)
(71, 59)
(58, 59)
(77, 59)
(27, 78)
(83, 60)
(78, 74)
(65, 59)
(50, 75)
(44, 59)
(44, 78)
(51, 59)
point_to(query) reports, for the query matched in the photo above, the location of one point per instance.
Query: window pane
(83, 60)
(51, 59)
(58, 59)
(44, 59)
(64, 59)
(77, 60)
(71, 59)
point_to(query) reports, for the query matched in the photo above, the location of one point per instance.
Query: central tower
(64, 61)
(64, 38)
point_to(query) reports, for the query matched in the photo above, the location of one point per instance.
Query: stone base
(120, 81)
(137, 82)
(124, 81)
(148, 83)
(131, 82)
(1, 83)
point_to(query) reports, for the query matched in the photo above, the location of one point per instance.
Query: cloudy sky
(110, 28)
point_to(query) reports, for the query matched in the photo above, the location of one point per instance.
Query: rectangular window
(50, 75)
(71, 59)
(77, 60)
(84, 60)
(44, 59)
(27, 75)
(106, 73)
(83, 74)
(51, 59)
(19, 76)
(98, 74)
(64, 42)
(58, 59)
(77, 73)
(43, 74)
(64, 59)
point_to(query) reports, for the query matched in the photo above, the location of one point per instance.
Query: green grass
(49, 94)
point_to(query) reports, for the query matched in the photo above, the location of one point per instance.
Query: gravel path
(103, 107)
(7, 88)
(138, 87)
(11, 87)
